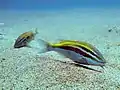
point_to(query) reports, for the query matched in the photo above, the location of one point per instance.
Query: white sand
(26, 69)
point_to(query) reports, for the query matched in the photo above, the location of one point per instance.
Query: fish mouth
(20, 45)
(20, 42)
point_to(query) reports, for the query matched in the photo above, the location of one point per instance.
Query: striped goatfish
(24, 39)
(78, 51)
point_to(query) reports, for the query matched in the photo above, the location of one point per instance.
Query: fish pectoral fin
(80, 65)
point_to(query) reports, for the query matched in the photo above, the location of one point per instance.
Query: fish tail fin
(44, 44)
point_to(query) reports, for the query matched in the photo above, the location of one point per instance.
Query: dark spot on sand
(21, 80)
(108, 47)
(3, 58)
(47, 86)
(116, 31)
(110, 30)
(27, 88)
(11, 89)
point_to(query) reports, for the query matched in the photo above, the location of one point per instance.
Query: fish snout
(20, 42)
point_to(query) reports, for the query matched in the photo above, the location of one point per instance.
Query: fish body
(24, 39)
(78, 51)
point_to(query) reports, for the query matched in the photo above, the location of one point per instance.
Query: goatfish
(24, 39)
(80, 52)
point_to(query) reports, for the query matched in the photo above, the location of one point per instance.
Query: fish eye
(28, 37)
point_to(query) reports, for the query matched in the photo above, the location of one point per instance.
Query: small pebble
(116, 31)
(27, 88)
(110, 30)
(3, 58)
(108, 47)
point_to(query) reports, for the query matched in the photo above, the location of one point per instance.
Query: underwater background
(94, 21)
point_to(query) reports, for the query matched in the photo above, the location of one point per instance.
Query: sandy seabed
(26, 69)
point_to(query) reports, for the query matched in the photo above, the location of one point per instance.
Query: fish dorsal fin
(36, 31)
(25, 34)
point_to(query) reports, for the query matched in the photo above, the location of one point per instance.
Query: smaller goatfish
(24, 39)
(80, 52)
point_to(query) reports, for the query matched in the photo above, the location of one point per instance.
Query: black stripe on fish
(20, 42)
(92, 52)
(81, 52)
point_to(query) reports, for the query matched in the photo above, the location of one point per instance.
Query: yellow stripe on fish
(75, 43)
